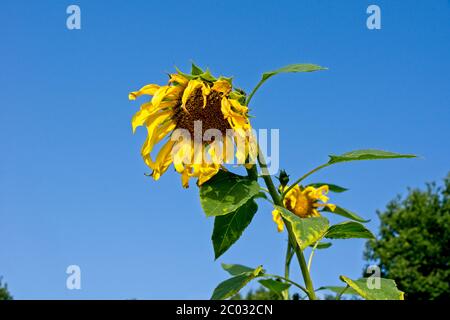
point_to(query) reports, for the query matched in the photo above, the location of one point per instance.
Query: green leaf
(339, 290)
(347, 230)
(296, 67)
(195, 70)
(331, 187)
(207, 76)
(346, 213)
(236, 269)
(232, 286)
(387, 288)
(367, 154)
(228, 228)
(322, 245)
(306, 230)
(186, 75)
(226, 192)
(275, 286)
(299, 67)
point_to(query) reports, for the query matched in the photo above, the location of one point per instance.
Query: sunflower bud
(283, 178)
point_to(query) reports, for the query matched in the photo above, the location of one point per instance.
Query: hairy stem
(278, 201)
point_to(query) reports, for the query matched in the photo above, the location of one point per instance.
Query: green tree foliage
(413, 244)
(4, 293)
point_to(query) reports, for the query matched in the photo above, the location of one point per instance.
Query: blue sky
(72, 189)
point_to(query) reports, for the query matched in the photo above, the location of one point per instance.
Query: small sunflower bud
(283, 178)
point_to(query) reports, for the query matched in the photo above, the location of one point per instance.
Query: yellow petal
(163, 160)
(238, 107)
(141, 116)
(182, 155)
(226, 108)
(159, 95)
(185, 175)
(190, 88)
(207, 172)
(153, 135)
(223, 86)
(276, 216)
(206, 90)
(149, 89)
(179, 79)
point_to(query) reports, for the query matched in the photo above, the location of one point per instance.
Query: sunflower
(303, 202)
(191, 105)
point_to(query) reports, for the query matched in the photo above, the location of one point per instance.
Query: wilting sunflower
(303, 202)
(193, 104)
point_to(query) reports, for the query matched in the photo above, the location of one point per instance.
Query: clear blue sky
(72, 189)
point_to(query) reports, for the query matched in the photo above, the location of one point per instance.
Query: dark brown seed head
(211, 115)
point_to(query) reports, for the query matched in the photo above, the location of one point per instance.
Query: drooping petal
(163, 160)
(182, 155)
(185, 175)
(159, 95)
(178, 79)
(190, 88)
(223, 86)
(149, 89)
(276, 216)
(153, 135)
(207, 172)
(238, 107)
(141, 116)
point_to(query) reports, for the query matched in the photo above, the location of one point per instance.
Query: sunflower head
(203, 118)
(303, 202)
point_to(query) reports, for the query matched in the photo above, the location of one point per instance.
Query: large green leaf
(226, 192)
(235, 269)
(275, 286)
(331, 187)
(299, 67)
(306, 230)
(387, 289)
(347, 230)
(346, 213)
(367, 154)
(228, 228)
(232, 286)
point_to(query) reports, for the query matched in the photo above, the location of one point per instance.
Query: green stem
(339, 295)
(303, 178)
(252, 172)
(305, 273)
(278, 201)
(312, 255)
(287, 264)
(287, 280)
(250, 96)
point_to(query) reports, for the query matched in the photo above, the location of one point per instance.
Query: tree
(413, 243)
(4, 293)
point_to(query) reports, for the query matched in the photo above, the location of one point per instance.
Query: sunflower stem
(287, 264)
(278, 201)
(252, 172)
